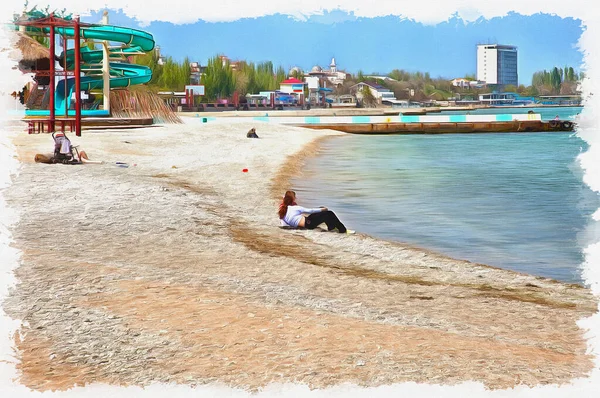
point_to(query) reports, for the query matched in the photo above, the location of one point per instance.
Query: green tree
(218, 80)
(555, 79)
(368, 98)
(297, 75)
(571, 74)
(280, 76)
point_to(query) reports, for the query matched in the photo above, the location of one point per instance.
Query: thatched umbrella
(28, 49)
(32, 56)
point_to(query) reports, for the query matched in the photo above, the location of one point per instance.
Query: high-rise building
(497, 64)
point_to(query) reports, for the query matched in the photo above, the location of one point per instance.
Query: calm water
(514, 201)
(546, 112)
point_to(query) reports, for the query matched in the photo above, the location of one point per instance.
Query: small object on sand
(173, 167)
(252, 133)
(244, 170)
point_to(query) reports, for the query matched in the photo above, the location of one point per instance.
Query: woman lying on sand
(292, 215)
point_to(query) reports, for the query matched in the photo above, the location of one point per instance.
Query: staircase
(38, 98)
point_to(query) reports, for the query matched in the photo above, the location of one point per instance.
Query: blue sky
(379, 44)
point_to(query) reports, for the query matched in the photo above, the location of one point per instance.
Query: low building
(572, 100)
(466, 83)
(381, 93)
(497, 98)
(513, 99)
(292, 86)
(461, 82)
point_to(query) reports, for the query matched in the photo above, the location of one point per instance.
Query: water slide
(121, 74)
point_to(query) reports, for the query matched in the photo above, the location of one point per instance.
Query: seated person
(252, 133)
(292, 215)
(62, 145)
(64, 150)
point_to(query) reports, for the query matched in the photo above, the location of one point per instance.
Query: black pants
(328, 217)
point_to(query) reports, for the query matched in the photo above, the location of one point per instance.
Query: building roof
(292, 80)
(30, 49)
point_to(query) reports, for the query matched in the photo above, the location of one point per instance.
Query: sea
(511, 200)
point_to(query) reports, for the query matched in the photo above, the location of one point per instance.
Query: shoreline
(293, 167)
(180, 257)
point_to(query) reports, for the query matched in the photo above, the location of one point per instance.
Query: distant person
(556, 117)
(530, 112)
(252, 133)
(292, 215)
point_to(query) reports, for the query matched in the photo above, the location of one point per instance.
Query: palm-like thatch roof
(28, 49)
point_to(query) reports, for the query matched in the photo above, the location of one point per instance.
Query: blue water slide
(121, 74)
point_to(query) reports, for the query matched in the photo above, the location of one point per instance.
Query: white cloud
(189, 11)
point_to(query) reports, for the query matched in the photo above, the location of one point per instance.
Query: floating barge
(414, 124)
(446, 127)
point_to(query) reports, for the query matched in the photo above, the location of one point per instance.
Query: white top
(294, 213)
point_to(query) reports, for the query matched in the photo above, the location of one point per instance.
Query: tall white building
(497, 64)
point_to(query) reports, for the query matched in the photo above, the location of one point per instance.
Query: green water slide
(121, 74)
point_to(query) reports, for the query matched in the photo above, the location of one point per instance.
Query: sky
(373, 45)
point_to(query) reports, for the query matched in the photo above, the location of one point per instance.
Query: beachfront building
(512, 99)
(497, 64)
(292, 86)
(569, 100)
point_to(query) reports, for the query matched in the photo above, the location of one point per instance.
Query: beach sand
(173, 269)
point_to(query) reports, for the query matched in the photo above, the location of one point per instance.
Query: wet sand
(174, 270)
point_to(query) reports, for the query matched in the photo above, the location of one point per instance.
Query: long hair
(288, 200)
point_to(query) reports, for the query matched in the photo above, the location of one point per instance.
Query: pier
(411, 124)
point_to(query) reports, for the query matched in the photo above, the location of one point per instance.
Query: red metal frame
(52, 22)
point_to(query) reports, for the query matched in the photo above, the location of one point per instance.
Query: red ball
(245, 170)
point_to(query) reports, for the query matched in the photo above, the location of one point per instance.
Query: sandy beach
(174, 269)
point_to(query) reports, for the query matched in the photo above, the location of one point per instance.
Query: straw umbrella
(28, 49)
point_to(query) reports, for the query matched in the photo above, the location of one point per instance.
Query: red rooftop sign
(292, 81)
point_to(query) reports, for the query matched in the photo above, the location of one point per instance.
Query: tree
(280, 76)
(555, 79)
(296, 74)
(218, 80)
(571, 75)
(368, 98)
